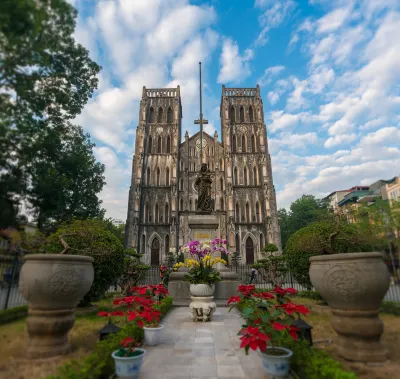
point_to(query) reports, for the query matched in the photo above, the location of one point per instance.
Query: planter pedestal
(359, 335)
(202, 308)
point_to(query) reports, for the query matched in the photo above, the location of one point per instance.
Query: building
(391, 189)
(118, 222)
(336, 197)
(162, 193)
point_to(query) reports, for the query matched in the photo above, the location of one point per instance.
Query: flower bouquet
(269, 318)
(128, 359)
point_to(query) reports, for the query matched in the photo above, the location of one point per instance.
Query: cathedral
(163, 194)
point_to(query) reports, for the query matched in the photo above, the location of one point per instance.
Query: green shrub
(314, 295)
(99, 364)
(390, 307)
(91, 238)
(316, 239)
(12, 314)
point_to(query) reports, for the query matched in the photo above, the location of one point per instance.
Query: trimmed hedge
(390, 307)
(12, 314)
(99, 364)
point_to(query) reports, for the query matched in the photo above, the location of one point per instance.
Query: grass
(322, 330)
(83, 337)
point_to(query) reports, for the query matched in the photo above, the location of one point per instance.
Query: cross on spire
(201, 121)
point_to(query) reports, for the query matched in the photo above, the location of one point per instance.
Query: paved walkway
(194, 350)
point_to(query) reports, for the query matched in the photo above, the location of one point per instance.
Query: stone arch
(170, 115)
(255, 175)
(237, 212)
(148, 176)
(160, 115)
(154, 244)
(245, 176)
(166, 213)
(168, 145)
(253, 144)
(159, 145)
(158, 177)
(241, 112)
(235, 176)
(221, 206)
(167, 177)
(232, 114)
(248, 215)
(221, 184)
(150, 144)
(156, 214)
(243, 143)
(152, 115)
(258, 213)
(249, 249)
(251, 114)
(237, 243)
(234, 143)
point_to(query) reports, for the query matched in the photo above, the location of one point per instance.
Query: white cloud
(292, 141)
(340, 139)
(282, 121)
(269, 74)
(234, 66)
(333, 20)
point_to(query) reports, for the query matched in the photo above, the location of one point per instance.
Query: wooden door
(155, 252)
(249, 251)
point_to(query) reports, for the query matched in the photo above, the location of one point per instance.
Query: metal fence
(10, 267)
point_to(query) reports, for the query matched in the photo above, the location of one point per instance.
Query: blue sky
(328, 70)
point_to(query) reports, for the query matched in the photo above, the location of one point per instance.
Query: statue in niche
(202, 184)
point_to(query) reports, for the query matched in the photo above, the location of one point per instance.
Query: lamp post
(110, 328)
(304, 331)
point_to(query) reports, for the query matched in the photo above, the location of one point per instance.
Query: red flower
(293, 331)
(132, 315)
(302, 309)
(234, 299)
(127, 341)
(278, 326)
(246, 290)
(280, 291)
(264, 295)
(109, 314)
(291, 308)
(252, 338)
(292, 291)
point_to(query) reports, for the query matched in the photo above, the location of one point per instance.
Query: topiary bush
(318, 239)
(91, 238)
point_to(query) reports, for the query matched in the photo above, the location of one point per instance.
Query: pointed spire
(186, 135)
(216, 134)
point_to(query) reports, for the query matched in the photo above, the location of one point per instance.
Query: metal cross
(201, 121)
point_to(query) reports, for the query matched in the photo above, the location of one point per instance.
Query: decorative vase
(53, 285)
(354, 285)
(276, 365)
(152, 336)
(128, 367)
(202, 290)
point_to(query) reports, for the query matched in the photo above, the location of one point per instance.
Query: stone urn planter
(276, 361)
(202, 290)
(128, 367)
(152, 336)
(53, 285)
(353, 285)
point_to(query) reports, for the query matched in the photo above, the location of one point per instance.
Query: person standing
(253, 276)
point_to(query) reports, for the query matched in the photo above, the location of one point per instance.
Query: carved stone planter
(53, 285)
(202, 290)
(202, 308)
(353, 285)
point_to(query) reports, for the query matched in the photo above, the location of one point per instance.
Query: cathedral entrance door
(249, 251)
(155, 252)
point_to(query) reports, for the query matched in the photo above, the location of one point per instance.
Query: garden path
(194, 350)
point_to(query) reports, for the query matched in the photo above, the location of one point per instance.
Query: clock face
(198, 143)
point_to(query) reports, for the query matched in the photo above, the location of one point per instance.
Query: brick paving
(194, 350)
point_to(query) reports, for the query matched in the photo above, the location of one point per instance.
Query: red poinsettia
(264, 295)
(253, 338)
(109, 314)
(291, 308)
(247, 290)
(234, 299)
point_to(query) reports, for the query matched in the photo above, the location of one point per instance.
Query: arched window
(143, 244)
(232, 114)
(237, 215)
(150, 144)
(253, 143)
(221, 206)
(261, 241)
(166, 244)
(243, 143)
(247, 212)
(152, 115)
(168, 145)
(166, 216)
(237, 243)
(159, 142)
(245, 176)
(251, 114)
(221, 164)
(234, 144)
(258, 212)
(181, 184)
(241, 114)
(255, 175)
(212, 151)
(158, 177)
(221, 183)
(170, 116)
(181, 205)
(156, 214)
(148, 176)
(147, 212)
(235, 177)
(155, 252)
(160, 115)
(194, 166)
(167, 177)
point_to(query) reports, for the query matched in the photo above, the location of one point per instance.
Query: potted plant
(53, 285)
(269, 318)
(354, 285)
(128, 359)
(202, 274)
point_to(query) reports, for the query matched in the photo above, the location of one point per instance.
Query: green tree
(45, 80)
(304, 211)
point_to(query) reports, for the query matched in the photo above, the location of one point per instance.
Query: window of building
(232, 114)
(158, 177)
(150, 144)
(159, 143)
(251, 114)
(167, 177)
(222, 203)
(181, 184)
(166, 244)
(255, 175)
(235, 176)
(243, 143)
(170, 116)
(245, 176)
(241, 114)
(181, 205)
(221, 183)
(258, 212)
(160, 115)
(234, 144)
(143, 244)
(148, 176)
(156, 214)
(237, 215)
(253, 143)
(166, 217)
(152, 115)
(168, 145)
(247, 212)
(261, 241)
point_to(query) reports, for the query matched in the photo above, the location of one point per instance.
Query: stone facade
(162, 196)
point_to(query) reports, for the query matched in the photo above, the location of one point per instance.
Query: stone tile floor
(194, 350)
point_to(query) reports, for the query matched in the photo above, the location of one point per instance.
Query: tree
(327, 237)
(134, 271)
(304, 211)
(45, 80)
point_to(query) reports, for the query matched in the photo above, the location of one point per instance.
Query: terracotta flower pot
(353, 285)
(53, 285)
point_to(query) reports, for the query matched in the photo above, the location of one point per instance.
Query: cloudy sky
(328, 70)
